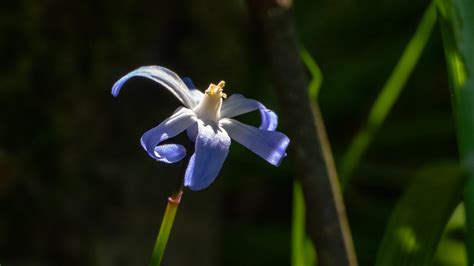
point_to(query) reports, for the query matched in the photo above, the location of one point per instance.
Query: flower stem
(165, 229)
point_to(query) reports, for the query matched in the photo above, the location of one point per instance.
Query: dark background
(76, 188)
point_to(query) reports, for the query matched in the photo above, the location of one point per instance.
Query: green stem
(165, 229)
(388, 95)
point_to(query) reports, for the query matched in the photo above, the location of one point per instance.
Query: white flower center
(209, 109)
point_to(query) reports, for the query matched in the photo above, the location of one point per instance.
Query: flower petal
(192, 132)
(165, 77)
(172, 126)
(195, 92)
(270, 145)
(212, 146)
(170, 153)
(238, 104)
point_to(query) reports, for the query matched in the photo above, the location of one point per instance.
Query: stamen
(221, 84)
(217, 89)
(209, 107)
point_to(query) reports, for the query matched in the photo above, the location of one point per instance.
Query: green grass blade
(315, 72)
(457, 26)
(420, 216)
(298, 235)
(302, 250)
(388, 95)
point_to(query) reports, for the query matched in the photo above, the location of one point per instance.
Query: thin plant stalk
(388, 95)
(165, 229)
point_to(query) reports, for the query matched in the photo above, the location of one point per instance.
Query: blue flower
(207, 120)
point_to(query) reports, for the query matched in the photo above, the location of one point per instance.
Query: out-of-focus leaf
(419, 218)
(388, 95)
(457, 26)
(310, 253)
(452, 250)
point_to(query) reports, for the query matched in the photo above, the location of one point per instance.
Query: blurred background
(76, 188)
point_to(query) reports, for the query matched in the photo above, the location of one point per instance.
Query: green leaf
(452, 249)
(420, 216)
(388, 95)
(457, 27)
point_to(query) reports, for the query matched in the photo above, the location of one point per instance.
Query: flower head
(207, 119)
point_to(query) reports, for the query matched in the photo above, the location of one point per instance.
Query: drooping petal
(170, 153)
(212, 145)
(270, 145)
(189, 83)
(172, 126)
(238, 104)
(195, 92)
(163, 76)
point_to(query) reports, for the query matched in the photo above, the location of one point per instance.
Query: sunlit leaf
(457, 26)
(452, 250)
(419, 218)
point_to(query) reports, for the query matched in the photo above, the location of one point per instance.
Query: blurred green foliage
(457, 26)
(76, 187)
(420, 217)
(388, 95)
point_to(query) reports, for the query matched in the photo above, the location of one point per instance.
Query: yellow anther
(221, 84)
(217, 89)
(209, 108)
